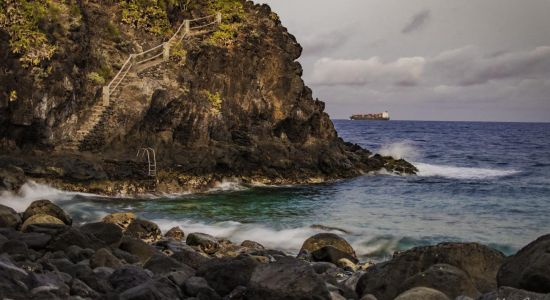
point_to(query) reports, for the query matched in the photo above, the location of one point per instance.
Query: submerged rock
(529, 269)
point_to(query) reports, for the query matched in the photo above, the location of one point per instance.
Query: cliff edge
(228, 101)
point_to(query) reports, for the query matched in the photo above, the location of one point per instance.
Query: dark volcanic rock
(162, 264)
(191, 258)
(46, 207)
(288, 278)
(110, 234)
(35, 240)
(422, 293)
(529, 269)
(144, 230)
(128, 277)
(509, 293)
(252, 245)
(11, 178)
(337, 248)
(138, 248)
(226, 274)
(104, 258)
(9, 217)
(479, 262)
(79, 288)
(445, 278)
(207, 243)
(154, 290)
(12, 280)
(175, 233)
(193, 285)
(73, 236)
(122, 220)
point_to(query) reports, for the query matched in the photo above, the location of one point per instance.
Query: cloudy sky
(485, 60)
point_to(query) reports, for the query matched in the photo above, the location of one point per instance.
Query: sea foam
(452, 172)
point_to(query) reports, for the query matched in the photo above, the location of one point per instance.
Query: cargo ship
(384, 116)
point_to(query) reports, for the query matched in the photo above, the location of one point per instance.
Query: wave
(400, 150)
(32, 191)
(452, 172)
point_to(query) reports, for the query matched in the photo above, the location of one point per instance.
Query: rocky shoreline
(43, 255)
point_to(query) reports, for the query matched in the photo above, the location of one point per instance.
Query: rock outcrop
(230, 101)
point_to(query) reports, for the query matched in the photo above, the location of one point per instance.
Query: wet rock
(40, 219)
(35, 240)
(422, 293)
(11, 178)
(12, 280)
(224, 275)
(207, 243)
(125, 256)
(46, 207)
(287, 278)
(110, 234)
(9, 217)
(193, 285)
(191, 258)
(322, 267)
(529, 269)
(447, 279)
(49, 229)
(239, 293)
(158, 289)
(104, 258)
(479, 262)
(509, 293)
(252, 245)
(162, 264)
(340, 248)
(179, 277)
(16, 249)
(144, 230)
(81, 289)
(128, 277)
(175, 233)
(122, 220)
(347, 264)
(333, 255)
(77, 254)
(50, 282)
(139, 248)
(72, 236)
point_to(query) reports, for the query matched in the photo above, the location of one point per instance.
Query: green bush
(215, 101)
(148, 15)
(96, 78)
(232, 17)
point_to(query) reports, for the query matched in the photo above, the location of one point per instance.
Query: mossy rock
(40, 219)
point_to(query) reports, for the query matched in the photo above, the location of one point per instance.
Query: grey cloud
(324, 42)
(417, 21)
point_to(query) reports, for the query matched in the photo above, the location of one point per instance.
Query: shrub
(232, 16)
(96, 78)
(215, 101)
(149, 15)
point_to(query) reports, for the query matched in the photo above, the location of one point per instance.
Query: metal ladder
(151, 160)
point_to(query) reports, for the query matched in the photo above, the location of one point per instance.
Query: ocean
(477, 182)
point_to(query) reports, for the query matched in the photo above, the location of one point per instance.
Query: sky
(482, 60)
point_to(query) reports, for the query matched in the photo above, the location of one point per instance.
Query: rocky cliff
(229, 102)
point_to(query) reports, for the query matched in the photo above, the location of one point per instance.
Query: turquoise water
(478, 182)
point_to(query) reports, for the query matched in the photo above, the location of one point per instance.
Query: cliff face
(230, 101)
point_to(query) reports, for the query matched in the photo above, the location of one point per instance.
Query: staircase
(93, 131)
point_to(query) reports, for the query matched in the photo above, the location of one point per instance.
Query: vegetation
(177, 50)
(215, 101)
(232, 17)
(21, 19)
(148, 15)
(96, 78)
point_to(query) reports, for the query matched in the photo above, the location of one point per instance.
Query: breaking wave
(404, 149)
(452, 172)
(32, 191)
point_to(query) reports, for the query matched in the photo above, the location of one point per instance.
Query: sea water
(477, 182)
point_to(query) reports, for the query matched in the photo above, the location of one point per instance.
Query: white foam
(30, 192)
(400, 150)
(427, 170)
(228, 185)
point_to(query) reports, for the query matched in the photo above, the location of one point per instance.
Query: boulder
(333, 255)
(287, 278)
(104, 258)
(191, 258)
(529, 269)
(144, 230)
(125, 256)
(207, 243)
(175, 233)
(252, 245)
(122, 220)
(110, 234)
(11, 178)
(35, 240)
(40, 219)
(81, 289)
(73, 236)
(46, 207)
(422, 293)
(12, 280)
(139, 248)
(77, 254)
(321, 240)
(193, 285)
(224, 275)
(447, 279)
(9, 217)
(162, 264)
(179, 277)
(128, 277)
(509, 293)
(479, 262)
(161, 288)
(16, 249)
